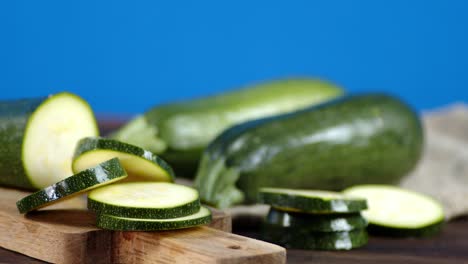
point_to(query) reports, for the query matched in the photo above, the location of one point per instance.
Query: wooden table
(451, 246)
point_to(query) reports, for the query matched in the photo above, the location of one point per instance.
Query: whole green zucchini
(368, 138)
(38, 137)
(180, 131)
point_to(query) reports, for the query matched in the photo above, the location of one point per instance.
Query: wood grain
(196, 245)
(57, 235)
(65, 233)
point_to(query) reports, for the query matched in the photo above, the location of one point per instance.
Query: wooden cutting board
(65, 233)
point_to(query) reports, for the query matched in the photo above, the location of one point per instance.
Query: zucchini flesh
(311, 201)
(201, 217)
(395, 211)
(140, 164)
(180, 131)
(359, 139)
(38, 137)
(147, 200)
(294, 239)
(316, 222)
(104, 173)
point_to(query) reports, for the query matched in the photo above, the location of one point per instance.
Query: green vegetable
(203, 216)
(180, 131)
(311, 201)
(368, 138)
(394, 211)
(38, 137)
(316, 222)
(140, 164)
(147, 200)
(293, 238)
(104, 173)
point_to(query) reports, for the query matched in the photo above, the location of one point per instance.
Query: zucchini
(159, 200)
(357, 139)
(201, 217)
(104, 173)
(316, 222)
(140, 164)
(180, 131)
(38, 137)
(292, 238)
(311, 201)
(394, 211)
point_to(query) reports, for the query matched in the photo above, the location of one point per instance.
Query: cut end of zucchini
(145, 200)
(398, 208)
(141, 165)
(104, 173)
(201, 217)
(217, 183)
(51, 136)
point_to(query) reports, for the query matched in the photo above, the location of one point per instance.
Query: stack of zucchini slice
(308, 219)
(153, 206)
(149, 201)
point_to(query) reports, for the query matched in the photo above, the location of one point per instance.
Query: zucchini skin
(422, 232)
(108, 171)
(316, 222)
(180, 131)
(312, 205)
(117, 223)
(14, 116)
(356, 139)
(299, 239)
(143, 213)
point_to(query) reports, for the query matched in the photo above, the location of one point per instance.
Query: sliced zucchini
(311, 201)
(291, 238)
(104, 173)
(146, 200)
(203, 216)
(394, 211)
(38, 137)
(140, 164)
(316, 222)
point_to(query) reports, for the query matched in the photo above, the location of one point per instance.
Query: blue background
(127, 56)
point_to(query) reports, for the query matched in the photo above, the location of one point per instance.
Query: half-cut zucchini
(38, 137)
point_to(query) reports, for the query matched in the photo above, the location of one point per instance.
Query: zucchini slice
(291, 238)
(148, 200)
(201, 217)
(311, 201)
(38, 137)
(104, 173)
(394, 211)
(140, 164)
(316, 222)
